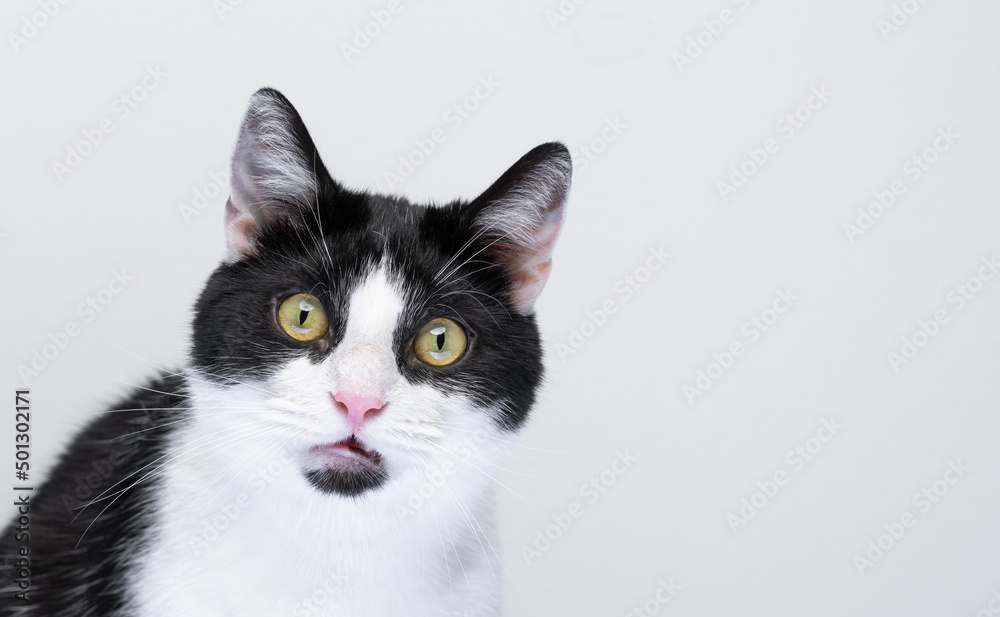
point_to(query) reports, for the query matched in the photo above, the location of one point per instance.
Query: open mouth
(350, 449)
(345, 467)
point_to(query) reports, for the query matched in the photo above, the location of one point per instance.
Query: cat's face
(364, 334)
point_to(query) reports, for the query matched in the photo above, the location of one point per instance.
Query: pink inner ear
(531, 268)
(240, 227)
(529, 282)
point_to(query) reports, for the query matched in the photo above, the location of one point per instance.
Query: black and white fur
(225, 444)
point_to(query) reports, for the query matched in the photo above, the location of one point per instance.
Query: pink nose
(357, 407)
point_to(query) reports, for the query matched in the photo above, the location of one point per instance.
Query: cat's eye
(440, 342)
(302, 317)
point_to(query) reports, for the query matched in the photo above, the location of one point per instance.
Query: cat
(358, 368)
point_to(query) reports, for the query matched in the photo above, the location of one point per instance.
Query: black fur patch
(349, 484)
(81, 571)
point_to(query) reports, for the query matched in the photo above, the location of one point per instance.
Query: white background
(654, 185)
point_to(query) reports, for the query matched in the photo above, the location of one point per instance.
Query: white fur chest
(240, 533)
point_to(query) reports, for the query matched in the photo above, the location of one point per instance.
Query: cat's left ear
(276, 172)
(517, 220)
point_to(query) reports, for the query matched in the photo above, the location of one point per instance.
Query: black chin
(349, 482)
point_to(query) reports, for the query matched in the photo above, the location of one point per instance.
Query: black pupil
(303, 315)
(440, 341)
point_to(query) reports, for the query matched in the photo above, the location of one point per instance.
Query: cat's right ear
(517, 219)
(276, 172)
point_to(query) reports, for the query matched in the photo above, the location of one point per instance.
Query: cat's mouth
(350, 449)
(345, 467)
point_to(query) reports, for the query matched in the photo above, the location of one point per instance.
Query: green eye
(302, 317)
(440, 342)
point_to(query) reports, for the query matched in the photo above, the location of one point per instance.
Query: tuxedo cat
(358, 367)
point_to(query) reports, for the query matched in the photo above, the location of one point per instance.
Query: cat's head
(365, 334)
